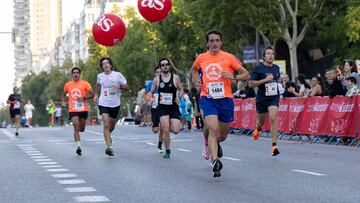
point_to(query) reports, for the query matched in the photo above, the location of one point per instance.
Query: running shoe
(220, 151)
(16, 134)
(275, 151)
(256, 134)
(206, 153)
(78, 151)
(216, 168)
(166, 155)
(109, 151)
(159, 150)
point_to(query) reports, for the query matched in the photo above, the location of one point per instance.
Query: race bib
(109, 92)
(78, 105)
(166, 98)
(155, 103)
(216, 90)
(17, 105)
(271, 89)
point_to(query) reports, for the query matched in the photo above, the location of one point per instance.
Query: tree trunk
(293, 60)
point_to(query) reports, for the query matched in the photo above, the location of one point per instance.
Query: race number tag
(166, 98)
(216, 90)
(271, 89)
(109, 92)
(156, 100)
(17, 105)
(78, 105)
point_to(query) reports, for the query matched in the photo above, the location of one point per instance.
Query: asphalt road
(41, 166)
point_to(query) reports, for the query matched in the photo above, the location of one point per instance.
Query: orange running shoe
(256, 134)
(275, 151)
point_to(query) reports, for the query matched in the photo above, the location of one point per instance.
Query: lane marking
(57, 169)
(230, 158)
(182, 140)
(129, 138)
(142, 141)
(38, 157)
(47, 163)
(29, 152)
(80, 189)
(52, 166)
(64, 175)
(93, 139)
(184, 150)
(93, 132)
(91, 199)
(71, 182)
(64, 143)
(24, 145)
(58, 140)
(35, 154)
(149, 143)
(23, 141)
(38, 160)
(309, 172)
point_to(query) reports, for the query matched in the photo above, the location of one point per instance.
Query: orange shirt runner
(76, 90)
(214, 85)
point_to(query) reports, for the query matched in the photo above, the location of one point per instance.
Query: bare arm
(97, 91)
(63, 99)
(255, 83)
(179, 86)
(196, 80)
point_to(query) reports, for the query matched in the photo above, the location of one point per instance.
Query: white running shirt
(110, 96)
(28, 110)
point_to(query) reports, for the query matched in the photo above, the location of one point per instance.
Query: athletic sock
(168, 151)
(159, 145)
(77, 143)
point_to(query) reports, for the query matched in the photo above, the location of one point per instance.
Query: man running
(109, 84)
(15, 113)
(167, 85)
(217, 103)
(265, 76)
(154, 111)
(78, 91)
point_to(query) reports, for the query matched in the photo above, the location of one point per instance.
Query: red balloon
(108, 29)
(154, 10)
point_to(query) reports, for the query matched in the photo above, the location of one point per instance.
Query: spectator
(333, 85)
(197, 110)
(246, 91)
(188, 110)
(140, 102)
(182, 104)
(353, 88)
(304, 87)
(350, 70)
(58, 114)
(288, 85)
(317, 87)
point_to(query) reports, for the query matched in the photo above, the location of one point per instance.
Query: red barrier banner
(248, 114)
(295, 112)
(313, 121)
(283, 117)
(237, 114)
(358, 116)
(341, 117)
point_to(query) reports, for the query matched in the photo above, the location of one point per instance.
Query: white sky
(71, 10)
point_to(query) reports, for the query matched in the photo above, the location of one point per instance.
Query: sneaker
(78, 151)
(109, 151)
(216, 168)
(220, 151)
(159, 150)
(256, 134)
(16, 134)
(206, 153)
(275, 151)
(166, 155)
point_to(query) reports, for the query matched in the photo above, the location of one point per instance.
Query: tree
(352, 20)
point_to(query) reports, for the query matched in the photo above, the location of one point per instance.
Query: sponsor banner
(314, 118)
(295, 112)
(237, 114)
(341, 117)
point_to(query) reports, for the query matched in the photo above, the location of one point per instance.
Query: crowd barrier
(312, 116)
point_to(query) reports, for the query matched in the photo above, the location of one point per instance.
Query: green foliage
(352, 20)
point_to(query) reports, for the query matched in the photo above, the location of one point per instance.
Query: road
(41, 166)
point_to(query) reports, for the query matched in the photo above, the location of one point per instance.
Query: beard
(165, 71)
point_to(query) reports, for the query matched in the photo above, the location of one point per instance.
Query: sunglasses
(165, 64)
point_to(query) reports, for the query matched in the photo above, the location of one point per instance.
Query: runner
(78, 91)
(265, 76)
(15, 113)
(217, 69)
(109, 84)
(50, 108)
(154, 111)
(167, 85)
(28, 112)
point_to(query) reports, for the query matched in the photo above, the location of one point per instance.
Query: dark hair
(75, 68)
(301, 78)
(163, 59)
(156, 67)
(352, 79)
(216, 32)
(352, 65)
(321, 83)
(106, 58)
(271, 48)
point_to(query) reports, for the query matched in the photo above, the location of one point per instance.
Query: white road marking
(64, 143)
(23, 141)
(52, 166)
(38, 157)
(230, 158)
(47, 163)
(29, 152)
(93, 132)
(184, 150)
(141, 141)
(24, 145)
(91, 199)
(94, 139)
(64, 175)
(149, 143)
(80, 189)
(35, 154)
(182, 140)
(71, 182)
(57, 169)
(39, 160)
(309, 172)
(129, 138)
(58, 140)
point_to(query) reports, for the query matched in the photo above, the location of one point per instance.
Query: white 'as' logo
(157, 4)
(104, 23)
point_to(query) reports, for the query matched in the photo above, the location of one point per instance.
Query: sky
(72, 9)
